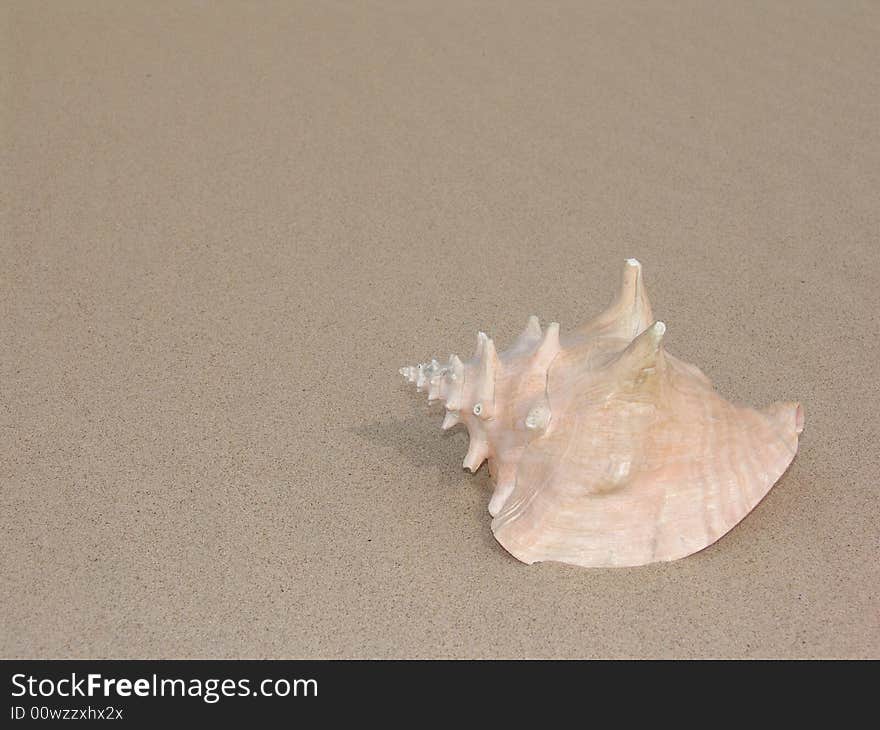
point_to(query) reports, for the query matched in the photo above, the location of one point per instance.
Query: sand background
(226, 225)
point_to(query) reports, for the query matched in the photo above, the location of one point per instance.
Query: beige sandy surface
(225, 226)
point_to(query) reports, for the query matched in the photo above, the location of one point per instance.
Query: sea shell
(606, 450)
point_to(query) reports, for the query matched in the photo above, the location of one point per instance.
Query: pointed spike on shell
(632, 302)
(502, 491)
(421, 379)
(549, 347)
(632, 272)
(505, 482)
(649, 341)
(450, 419)
(481, 343)
(456, 366)
(489, 366)
(642, 352)
(531, 334)
(455, 383)
(489, 360)
(477, 453)
(533, 326)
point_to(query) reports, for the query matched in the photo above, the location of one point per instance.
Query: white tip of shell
(456, 366)
(481, 343)
(533, 327)
(659, 328)
(633, 262)
(476, 455)
(530, 335)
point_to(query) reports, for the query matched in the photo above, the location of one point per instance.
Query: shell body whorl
(606, 450)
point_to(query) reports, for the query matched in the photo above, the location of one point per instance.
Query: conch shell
(606, 450)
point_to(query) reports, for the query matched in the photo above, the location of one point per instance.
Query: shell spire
(444, 383)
